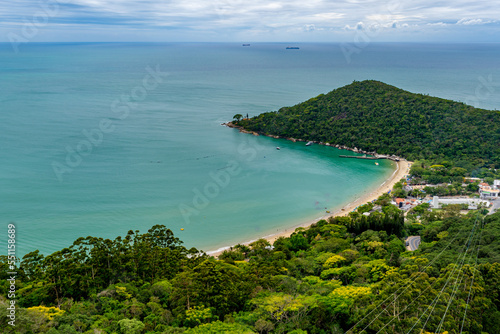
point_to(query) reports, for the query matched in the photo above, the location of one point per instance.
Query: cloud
(438, 24)
(309, 27)
(468, 22)
(357, 26)
(255, 18)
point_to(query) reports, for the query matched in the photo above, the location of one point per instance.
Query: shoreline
(402, 169)
(340, 147)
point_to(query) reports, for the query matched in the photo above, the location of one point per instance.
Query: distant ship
(245, 44)
(292, 48)
(309, 143)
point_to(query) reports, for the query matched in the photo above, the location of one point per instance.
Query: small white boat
(309, 143)
(278, 148)
(376, 163)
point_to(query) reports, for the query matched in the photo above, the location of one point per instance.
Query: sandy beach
(402, 169)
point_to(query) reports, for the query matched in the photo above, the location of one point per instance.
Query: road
(413, 242)
(495, 206)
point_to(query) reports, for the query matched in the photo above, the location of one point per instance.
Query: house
(399, 201)
(406, 207)
(488, 193)
(472, 179)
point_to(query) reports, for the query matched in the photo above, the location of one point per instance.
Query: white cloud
(228, 17)
(468, 22)
(309, 27)
(357, 26)
(439, 24)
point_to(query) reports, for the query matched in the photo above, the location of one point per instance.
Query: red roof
(399, 200)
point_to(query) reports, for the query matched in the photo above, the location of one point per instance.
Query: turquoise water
(158, 155)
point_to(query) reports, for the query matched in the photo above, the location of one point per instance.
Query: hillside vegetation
(348, 274)
(374, 116)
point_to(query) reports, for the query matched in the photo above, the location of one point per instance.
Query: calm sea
(98, 139)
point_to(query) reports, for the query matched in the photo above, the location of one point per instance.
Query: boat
(292, 48)
(376, 163)
(309, 143)
(245, 44)
(278, 148)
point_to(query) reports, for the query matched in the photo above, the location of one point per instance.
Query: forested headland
(376, 117)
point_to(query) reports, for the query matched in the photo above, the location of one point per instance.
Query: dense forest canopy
(374, 116)
(348, 274)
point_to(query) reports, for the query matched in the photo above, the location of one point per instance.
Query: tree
(130, 326)
(284, 308)
(237, 117)
(298, 242)
(198, 315)
(219, 327)
(340, 300)
(215, 284)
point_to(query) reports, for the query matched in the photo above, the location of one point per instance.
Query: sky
(355, 21)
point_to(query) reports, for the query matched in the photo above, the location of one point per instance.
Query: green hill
(374, 116)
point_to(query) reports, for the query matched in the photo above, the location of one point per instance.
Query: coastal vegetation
(377, 117)
(349, 273)
(446, 171)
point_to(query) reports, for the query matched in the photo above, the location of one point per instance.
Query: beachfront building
(472, 179)
(487, 192)
(473, 203)
(406, 204)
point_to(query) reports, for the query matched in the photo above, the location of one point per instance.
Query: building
(487, 192)
(399, 201)
(472, 179)
(473, 203)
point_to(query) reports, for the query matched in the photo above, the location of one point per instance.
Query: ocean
(102, 138)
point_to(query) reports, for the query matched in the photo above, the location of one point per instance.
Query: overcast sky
(250, 20)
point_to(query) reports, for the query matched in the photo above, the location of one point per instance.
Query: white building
(473, 203)
(487, 192)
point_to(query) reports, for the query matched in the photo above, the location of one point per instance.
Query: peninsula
(374, 117)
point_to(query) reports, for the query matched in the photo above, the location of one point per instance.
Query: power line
(405, 286)
(435, 301)
(472, 282)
